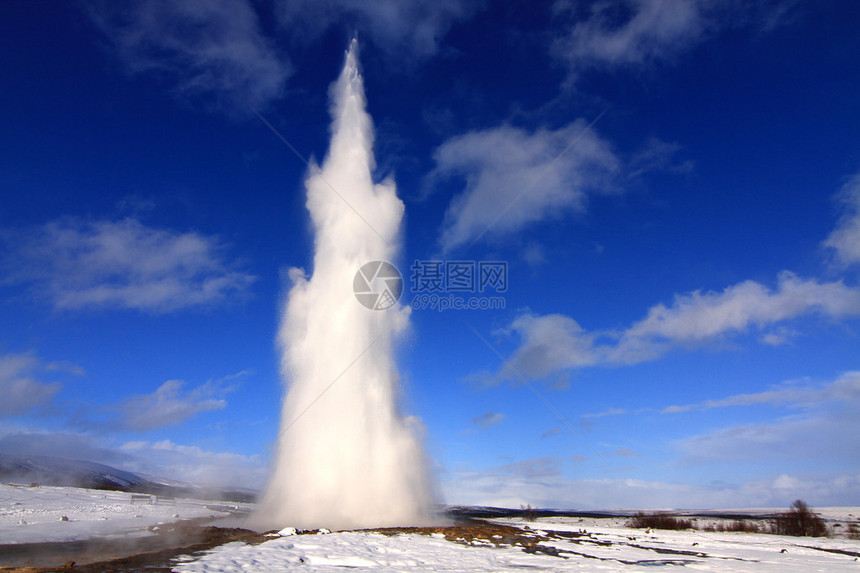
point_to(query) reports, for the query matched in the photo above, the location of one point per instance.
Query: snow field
(601, 547)
(337, 551)
(35, 514)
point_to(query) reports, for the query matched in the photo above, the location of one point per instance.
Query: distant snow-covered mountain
(47, 470)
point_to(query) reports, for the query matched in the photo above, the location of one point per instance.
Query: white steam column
(345, 457)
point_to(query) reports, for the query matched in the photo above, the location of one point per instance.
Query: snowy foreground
(61, 514)
(36, 514)
(606, 547)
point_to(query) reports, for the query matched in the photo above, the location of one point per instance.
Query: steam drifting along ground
(345, 456)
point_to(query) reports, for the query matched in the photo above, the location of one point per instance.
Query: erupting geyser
(345, 457)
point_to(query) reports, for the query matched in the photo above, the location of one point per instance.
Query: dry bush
(853, 531)
(799, 521)
(736, 526)
(529, 512)
(659, 521)
(744, 526)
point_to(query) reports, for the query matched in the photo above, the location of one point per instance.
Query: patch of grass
(659, 521)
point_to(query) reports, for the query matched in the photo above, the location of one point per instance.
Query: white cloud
(552, 432)
(607, 412)
(19, 389)
(194, 464)
(534, 255)
(844, 388)
(631, 32)
(27, 442)
(657, 155)
(163, 459)
(65, 366)
(778, 336)
(554, 342)
(514, 178)
(819, 437)
(213, 49)
(827, 428)
(533, 468)
(549, 343)
(170, 404)
(501, 487)
(618, 33)
(76, 264)
(411, 29)
(824, 432)
(845, 239)
(696, 316)
(487, 420)
(625, 453)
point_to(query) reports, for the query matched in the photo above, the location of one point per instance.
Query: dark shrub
(800, 521)
(659, 521)
(738, 526)
(529, 512)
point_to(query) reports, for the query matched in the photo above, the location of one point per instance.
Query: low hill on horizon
(55, 471)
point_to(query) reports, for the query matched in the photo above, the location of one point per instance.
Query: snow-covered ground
(607, 546)
(36, 514)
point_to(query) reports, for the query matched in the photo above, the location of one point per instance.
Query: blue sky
(674, 186)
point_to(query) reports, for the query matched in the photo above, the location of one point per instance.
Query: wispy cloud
(501, 488)
(699, 316)
(194, 464)
(20, 390)
(825, 438)
(823, 427)
(164, 459)
(488, 420)
(170, 404)
(549, 343)
(73, 445)
(533, 468)
(76, 264)
(657, 155)
(778, 336)
(554, 342)
(213, 50)
(605, 413)
(636, 33)
(629, 32)
(410, 30)
(515, 177)
(625, 453)
(844, 388)
(845, 239)
(551, 432)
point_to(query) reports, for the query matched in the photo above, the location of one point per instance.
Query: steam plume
(345, 458)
